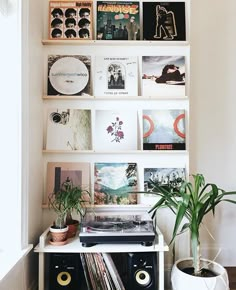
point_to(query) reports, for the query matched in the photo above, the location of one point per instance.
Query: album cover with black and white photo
(70, 20)
(116, 76)
(69, 75)
(165, 21)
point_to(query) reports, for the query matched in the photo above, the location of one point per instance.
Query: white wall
(212, 128)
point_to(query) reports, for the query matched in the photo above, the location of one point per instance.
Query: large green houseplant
(190, 204)
(64, 201)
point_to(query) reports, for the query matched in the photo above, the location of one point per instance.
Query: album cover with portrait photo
(116, 76)
(164, 21)
(114, 182)
(68, 129)
(164, 129)
(69, 75)
(70, 20)
(163, 76)
(118, 20)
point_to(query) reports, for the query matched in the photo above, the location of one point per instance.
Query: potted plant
(190, 204)
(59, 228)
(71, 198)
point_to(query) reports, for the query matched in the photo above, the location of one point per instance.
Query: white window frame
(13, 128)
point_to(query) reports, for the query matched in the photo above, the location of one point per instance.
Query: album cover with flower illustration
(116, 76)
(164, 129)
(70, 20)
(115, 130)
(68, 129)
(114, 182)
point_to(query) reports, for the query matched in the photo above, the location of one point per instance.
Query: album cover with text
(70, 20)
(69, 75)
(118, 20)
(116, 76)
(164, 130)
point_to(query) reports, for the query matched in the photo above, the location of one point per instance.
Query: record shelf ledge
(113, 42)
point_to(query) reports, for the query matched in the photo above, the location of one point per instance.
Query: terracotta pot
(183, 281)
(58, 235)
(72, 229)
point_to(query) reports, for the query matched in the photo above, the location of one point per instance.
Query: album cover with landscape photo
(115, 130)
(164, 129)
(118, 20)
(164, 21)
(116, 76)
(163, 76)
(70, 20)
(113, 183)
(171, 177)
(68, 129)
(69, 75)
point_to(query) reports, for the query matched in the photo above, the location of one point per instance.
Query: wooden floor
(232, 277)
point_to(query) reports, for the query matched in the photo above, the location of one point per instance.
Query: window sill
(11, 260)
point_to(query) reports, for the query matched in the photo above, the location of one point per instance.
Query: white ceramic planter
(183, 281)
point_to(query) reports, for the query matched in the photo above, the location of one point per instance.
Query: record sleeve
(164, 130)
(171, 177)
(115, 130)
(68, 129)
(71, 20)
(118, 20)
(114, 182)
(116, 76)
(164, 21)
(69, 75)
(163, 76)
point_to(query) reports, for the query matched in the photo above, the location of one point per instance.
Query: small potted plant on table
(191, 203)
(67, 199)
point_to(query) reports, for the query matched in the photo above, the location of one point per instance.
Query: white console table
(74, 246)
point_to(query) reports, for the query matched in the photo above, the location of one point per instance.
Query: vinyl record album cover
(113, 183)
(75, 173)
(68, 129)
(115, 130)
(163, 76)
(70, 19)
(171, 177)
(118, 20)
(69, 75)
(164, 21)
(164, 130)
(116, 76)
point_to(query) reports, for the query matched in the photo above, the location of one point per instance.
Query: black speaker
(142, 269)
(65, 272)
